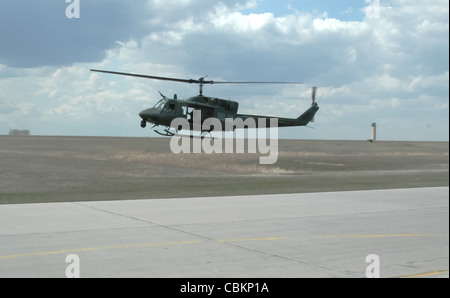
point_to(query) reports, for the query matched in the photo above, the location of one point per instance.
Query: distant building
(374, 133)
(17, 132)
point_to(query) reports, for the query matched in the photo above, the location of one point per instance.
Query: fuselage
(166, 110)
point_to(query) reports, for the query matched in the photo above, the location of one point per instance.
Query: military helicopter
(168, 109)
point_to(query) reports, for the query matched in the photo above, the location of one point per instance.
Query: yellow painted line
(65, 251)
(425, 274)
(75, 250)
(251, 239)
(382, 235)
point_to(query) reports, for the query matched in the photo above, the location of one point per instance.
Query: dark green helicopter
(168, 109)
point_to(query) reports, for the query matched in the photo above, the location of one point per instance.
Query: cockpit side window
(160, 104)
(169, 108)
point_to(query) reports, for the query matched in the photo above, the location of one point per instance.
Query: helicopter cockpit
(160, 104)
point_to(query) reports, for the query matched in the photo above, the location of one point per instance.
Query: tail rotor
(313, 96)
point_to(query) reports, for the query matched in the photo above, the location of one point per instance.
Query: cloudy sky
(383, 61)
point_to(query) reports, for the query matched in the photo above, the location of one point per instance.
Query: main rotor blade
(213, 82)
(147, 76)
(190, 81)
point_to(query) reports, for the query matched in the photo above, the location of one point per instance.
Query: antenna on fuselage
(163, 96)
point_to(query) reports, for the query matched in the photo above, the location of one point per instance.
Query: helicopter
(168, 109)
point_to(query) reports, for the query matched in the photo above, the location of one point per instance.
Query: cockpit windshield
(160, 104)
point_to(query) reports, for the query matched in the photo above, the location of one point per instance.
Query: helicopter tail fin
(308, 115)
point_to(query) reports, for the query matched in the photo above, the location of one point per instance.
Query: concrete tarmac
(288, 235)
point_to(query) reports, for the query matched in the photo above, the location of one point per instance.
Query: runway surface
(289, 235)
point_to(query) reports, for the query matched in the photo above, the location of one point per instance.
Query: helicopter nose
(148, 115)
(144, 114)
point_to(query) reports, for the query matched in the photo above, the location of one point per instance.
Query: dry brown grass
(220, 163)
(46, 169)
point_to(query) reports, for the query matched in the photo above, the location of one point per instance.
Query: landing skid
(166, 133)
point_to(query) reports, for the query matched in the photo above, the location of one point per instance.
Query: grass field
(54, 169)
